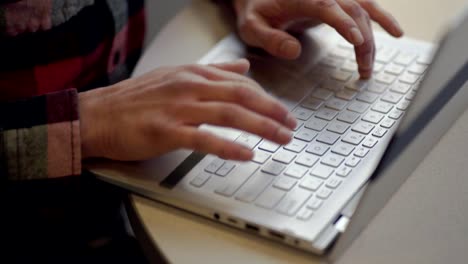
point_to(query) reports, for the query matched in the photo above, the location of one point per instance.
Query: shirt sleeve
(40, 137)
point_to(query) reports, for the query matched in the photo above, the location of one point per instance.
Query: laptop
(305, 193)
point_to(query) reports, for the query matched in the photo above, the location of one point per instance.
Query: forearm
(40, 137)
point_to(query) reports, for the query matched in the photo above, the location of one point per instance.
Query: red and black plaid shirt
(49, 51)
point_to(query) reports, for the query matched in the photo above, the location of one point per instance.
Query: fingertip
(246, 154)
(290, 49)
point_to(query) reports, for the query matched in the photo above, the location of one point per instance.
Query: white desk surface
(185, 238)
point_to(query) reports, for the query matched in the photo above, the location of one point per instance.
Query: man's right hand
(160, 112)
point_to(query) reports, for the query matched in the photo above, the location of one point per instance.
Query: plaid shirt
(49, 51)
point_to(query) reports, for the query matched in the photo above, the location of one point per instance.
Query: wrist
(87, 130)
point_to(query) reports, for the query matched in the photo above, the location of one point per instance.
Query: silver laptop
(302, 194)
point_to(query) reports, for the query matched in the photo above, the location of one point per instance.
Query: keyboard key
(369, 142)
(363, 127)
(299, 124)
(273, 168)
(248, 140)
(200, 179)
(358, 107)
(343, 171)
(332, 160)
(376, 87)
(314, 203)
(284, 183)
(225, 169)
(302, 113)
(350, 66)
(348, 117)
(352, 161)
(382, 107)
(305, 214)
(336, 104)
(338, 127)
(387, 123)
(346, 94)
(284, 156)
(343, 149)
(295, 146)
(307, 160)
(296, 171)
(409, 78)
(385, 78)
(367, 97)
(311, 183)
(328, 138)
(293, 201)
(260, 156)
(312, 103)
(269, 146)
(386, 55)
(361, 152)
(379, 132)
(395, 114)
(322, 94)
(326, 114)
(332, 62)
(417, 69)
(394, 69)
(340, 53)
(378, 67)
(405, 59)
(317, 148)
(357, 84)
(333, 183)
(322, 171)
(373, 117)
(424, 59)
(341, 76)
(324, 193)
(316, 124)
(353, 138)
(411, 95)
(403, 105)
(240, 175)
(214, 165)
(392, 98)
(253, 187)
(305, 135)
(400, 87)
(270, 198)
(332, 85)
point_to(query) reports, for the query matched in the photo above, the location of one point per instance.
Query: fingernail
(284, 135)
(291, 121)
(356, 36)
(289, 48)
(397, 27)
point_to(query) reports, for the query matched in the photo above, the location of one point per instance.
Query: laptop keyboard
(339, 123)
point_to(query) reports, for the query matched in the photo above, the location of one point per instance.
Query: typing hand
(264, 24)
(159, 112)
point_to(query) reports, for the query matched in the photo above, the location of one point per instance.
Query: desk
(185, 238)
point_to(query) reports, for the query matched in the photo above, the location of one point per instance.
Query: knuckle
(227, 114)
(248, 23)
(325, 4)
(241, 92)
(354, 9)
(347, 23)
(366, 47)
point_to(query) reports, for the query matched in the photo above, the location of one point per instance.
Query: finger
(365, 51)
(240, 66)
(235, 116)
(258, 33)
(205, 142)
(243, 94)
(219, 73)
(331, 13)
(384, 18)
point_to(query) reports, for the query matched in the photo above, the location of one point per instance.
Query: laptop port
(232, 220)
(252, 228)
(276, 235)
(216, 216)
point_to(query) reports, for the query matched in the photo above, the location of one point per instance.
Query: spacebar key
(236, 178)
